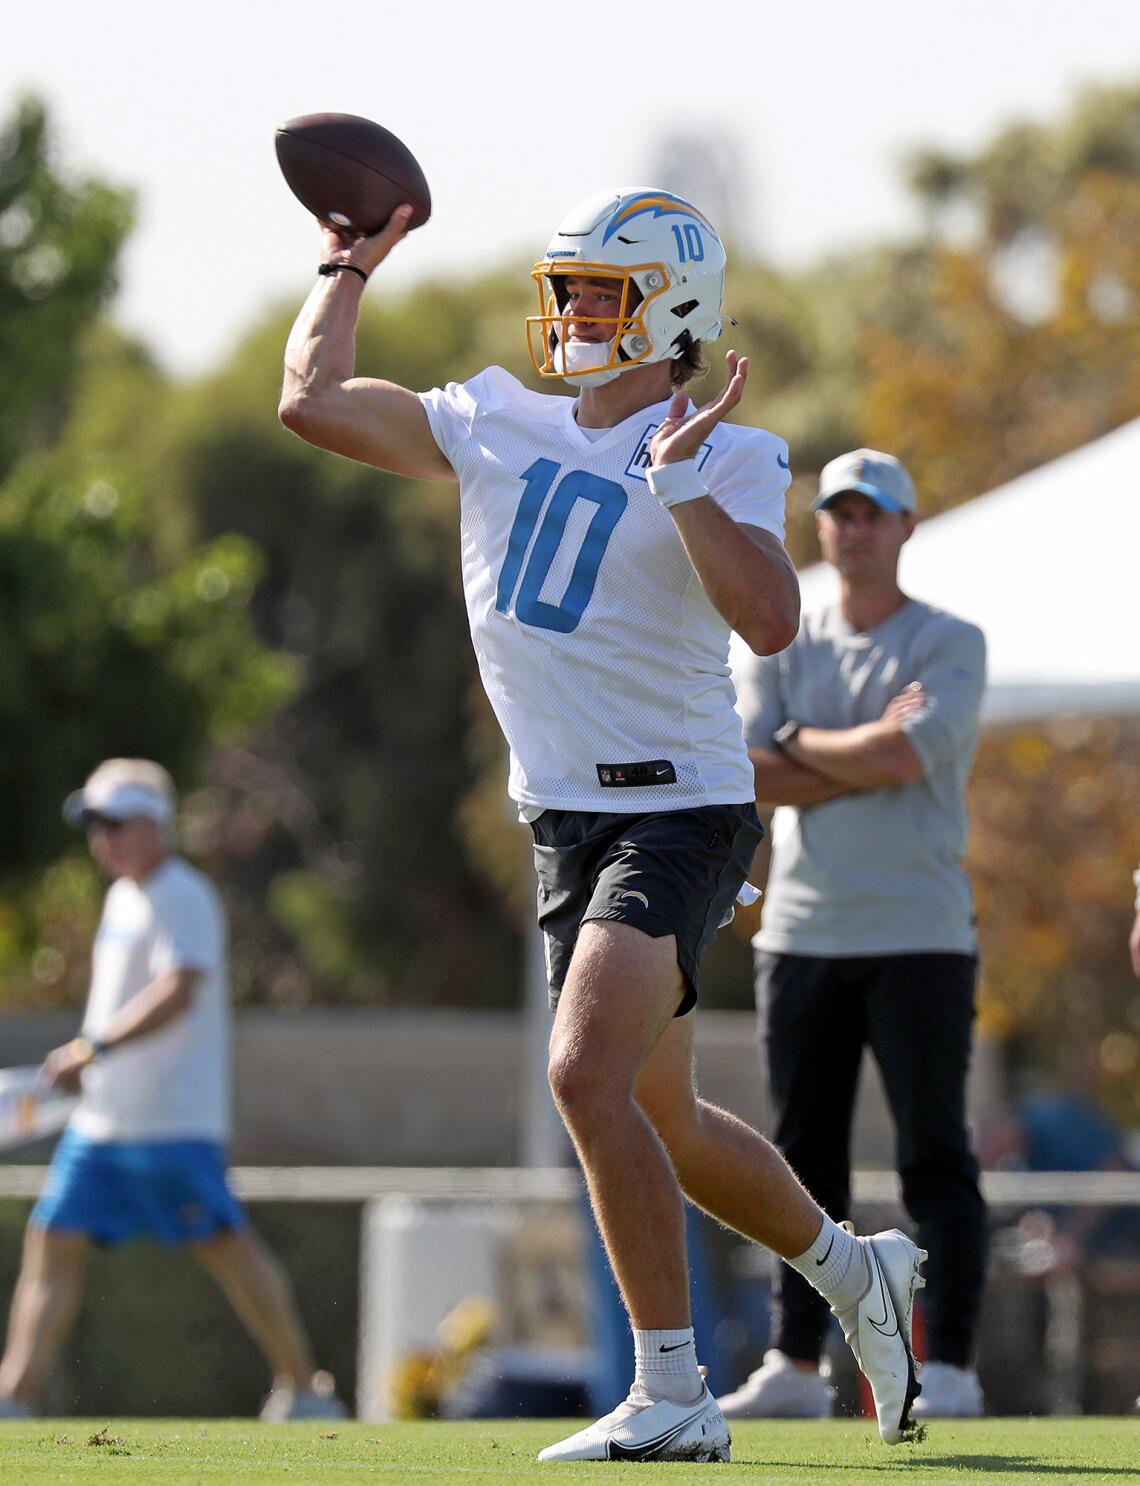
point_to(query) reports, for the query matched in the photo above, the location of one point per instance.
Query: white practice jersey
(603, 658)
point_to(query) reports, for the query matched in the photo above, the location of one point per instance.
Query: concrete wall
(428, 1088)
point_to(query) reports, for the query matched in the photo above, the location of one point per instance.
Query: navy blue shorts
(174, 1191)
(673, 872)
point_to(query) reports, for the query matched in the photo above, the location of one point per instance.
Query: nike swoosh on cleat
(649, 1448)
(829, 1248)
(881, 1326)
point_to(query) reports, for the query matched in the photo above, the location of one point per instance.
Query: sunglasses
(104, 823)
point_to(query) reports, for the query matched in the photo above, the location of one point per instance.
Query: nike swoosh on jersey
(648, 1448)
(783, 463)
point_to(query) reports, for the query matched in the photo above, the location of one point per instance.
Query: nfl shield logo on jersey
(638, 465)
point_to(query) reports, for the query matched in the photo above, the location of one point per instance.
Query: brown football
(350, 171)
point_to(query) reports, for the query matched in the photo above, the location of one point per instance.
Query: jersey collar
(633, 425)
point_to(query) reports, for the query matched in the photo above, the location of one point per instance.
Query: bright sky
(515, 116)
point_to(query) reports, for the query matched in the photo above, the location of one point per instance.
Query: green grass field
(240, 1453)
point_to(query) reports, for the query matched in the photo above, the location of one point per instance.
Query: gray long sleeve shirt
(878, 871)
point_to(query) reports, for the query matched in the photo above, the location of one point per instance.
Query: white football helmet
(670, 262)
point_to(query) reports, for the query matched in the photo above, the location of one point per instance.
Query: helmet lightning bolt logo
(661, 205)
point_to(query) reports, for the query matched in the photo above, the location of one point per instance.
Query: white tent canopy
(1049, 567)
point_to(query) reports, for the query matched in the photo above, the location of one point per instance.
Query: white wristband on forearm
(674, 483)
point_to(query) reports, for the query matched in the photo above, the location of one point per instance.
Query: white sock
(667, 1365)
(834, 1265)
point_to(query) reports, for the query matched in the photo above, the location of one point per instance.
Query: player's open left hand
(367, 253)
(682, 433)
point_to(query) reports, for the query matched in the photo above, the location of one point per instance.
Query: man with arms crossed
(863, 732)
(144, 1153)
(609, 545)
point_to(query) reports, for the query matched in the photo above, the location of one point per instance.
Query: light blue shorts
(174, 1191)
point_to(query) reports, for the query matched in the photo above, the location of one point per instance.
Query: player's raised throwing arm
(375, 422)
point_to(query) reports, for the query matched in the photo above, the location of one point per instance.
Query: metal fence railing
(547, 1184)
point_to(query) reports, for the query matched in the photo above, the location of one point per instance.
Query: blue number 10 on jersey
(609, 498)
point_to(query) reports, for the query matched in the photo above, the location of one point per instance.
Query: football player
(611, 541)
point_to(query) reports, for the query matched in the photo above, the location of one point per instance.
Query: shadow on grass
(1030, 1465)
(1014, 1464)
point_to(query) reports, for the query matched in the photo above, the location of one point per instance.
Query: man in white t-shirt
(144, 1153)
(610, 543)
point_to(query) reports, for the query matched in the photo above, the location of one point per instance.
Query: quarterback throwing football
(610, 543)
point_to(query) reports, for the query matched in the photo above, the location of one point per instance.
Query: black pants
(915, 1012)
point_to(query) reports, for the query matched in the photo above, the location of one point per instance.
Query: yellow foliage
(1054, 842)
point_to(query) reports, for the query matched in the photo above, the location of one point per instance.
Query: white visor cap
(117, 799)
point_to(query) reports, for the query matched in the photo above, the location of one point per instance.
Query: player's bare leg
(732, 1172)
(722, 1164)
(620, 995)
(621, 992)
(259, 1291)
(45, 1303)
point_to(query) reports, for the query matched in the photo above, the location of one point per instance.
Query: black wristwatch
(785, 736)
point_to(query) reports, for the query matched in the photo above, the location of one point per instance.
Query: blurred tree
(1012, 334)
(59, 241)
(103, 653)
(1051, 858)
(105, 648)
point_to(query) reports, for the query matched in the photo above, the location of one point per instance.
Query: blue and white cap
(881, 477)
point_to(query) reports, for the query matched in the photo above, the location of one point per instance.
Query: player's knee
(580, 1090)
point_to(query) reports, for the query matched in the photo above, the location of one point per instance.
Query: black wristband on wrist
(326, 269)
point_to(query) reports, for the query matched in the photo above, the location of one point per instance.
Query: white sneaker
(948, 1392)
(877, 1328)
(778, 1389)
(319, 1401)
(642, 1429)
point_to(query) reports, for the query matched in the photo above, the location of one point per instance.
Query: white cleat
(642, 1429)
(319, 1401)
(948, 1392)
(877, 1328)
(778, 1389)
